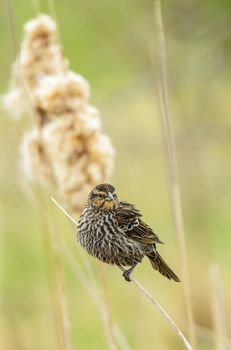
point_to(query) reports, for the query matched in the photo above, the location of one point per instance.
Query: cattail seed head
(66, 146)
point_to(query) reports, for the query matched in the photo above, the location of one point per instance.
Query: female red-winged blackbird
(112, 231)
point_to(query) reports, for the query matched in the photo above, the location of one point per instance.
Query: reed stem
(217, 307)
(52, 250)
(109, 320)
(167, 130)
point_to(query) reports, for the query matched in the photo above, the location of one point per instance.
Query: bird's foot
(126, 275)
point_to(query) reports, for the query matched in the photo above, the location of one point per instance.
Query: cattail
(66, 145)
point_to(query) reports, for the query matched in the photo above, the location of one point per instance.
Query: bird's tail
(160, 265)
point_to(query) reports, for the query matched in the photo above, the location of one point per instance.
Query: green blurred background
(112, 44)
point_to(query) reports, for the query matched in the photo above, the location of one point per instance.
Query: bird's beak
(109, 197)
(109, 201)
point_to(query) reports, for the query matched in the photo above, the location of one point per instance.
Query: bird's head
(103, 197)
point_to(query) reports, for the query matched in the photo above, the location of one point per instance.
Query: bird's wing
(129, 220)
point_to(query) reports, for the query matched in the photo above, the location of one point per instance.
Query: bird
(112, 230)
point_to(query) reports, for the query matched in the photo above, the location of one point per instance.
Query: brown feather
(143, 233)
(127, 213)
(160, 265)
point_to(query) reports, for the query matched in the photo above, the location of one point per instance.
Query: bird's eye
(101, 194)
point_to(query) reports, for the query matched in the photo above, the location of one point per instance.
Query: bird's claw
(126, 275)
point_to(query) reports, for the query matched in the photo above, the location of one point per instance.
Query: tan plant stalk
(53, 14)
(143, 290)
(22, 97)
(11, 26)
(109, 322)
(208, 335)
(166, 123)
(37, 7)
(217, 307)
(54, 273)
(60, 288)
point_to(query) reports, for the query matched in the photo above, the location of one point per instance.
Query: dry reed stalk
(37, 6)
(11, 26)
(121, 340)
(60, 287)
(143, 290)
(167, 130)
(54, 274)
(110, 330)
(217, 307)
(208, 335)
(53, 14)
(51, 246)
